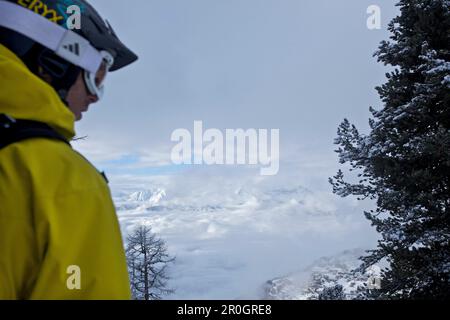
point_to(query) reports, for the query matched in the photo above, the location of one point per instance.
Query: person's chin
(79, 114)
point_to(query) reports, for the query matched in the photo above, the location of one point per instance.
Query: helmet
(38, 32)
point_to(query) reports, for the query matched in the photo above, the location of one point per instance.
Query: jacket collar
(23, 95)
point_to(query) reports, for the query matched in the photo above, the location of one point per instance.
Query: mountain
(323, 275)
(148, 196)
(143, 199)
(152, 199)
(223, 233)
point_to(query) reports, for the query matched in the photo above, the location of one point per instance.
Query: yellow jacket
(58, 226)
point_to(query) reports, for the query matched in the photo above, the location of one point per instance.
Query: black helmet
(38, 32)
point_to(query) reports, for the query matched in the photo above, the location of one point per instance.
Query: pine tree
(404, 162)
(335, 292)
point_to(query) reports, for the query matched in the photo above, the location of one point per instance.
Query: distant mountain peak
(148, 196)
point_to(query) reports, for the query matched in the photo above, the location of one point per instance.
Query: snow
(307, 283)
(446, 81)
(230, 236)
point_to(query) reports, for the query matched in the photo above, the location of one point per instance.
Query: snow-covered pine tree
(404, 162)
(335, 292)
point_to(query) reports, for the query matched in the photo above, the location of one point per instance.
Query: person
(59, 232)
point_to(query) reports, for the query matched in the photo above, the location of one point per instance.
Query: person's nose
(93, 98)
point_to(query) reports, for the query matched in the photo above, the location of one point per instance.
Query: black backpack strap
(15, 130)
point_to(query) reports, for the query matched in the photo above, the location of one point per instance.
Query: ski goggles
(95, 81)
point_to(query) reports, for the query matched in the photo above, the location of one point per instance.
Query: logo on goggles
(74, 48)
(41, 8)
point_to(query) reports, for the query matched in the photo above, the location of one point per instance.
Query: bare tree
(148, 260)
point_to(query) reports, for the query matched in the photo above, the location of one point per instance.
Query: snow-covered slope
(326, 272)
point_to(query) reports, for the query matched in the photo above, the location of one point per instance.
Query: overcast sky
(300, 66)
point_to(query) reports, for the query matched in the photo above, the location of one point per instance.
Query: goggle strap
(65, 43)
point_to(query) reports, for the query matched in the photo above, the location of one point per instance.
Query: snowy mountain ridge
(325, 273)
(156, 199)
(222, 233)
